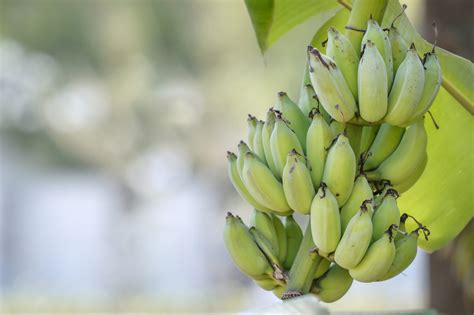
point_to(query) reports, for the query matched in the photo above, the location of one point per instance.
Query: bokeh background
(115, 117)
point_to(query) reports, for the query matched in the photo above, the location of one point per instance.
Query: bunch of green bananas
(342, 155)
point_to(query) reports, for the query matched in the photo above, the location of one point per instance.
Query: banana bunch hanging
(355, 141)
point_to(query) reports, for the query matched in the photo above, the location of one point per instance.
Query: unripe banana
(294, 235)
(340, 168)
(323, 267)
(354, 133)
(262, 185)
(372, 83)
(399, 47)
(413, 177)
(386, 215)
(297, 183)
(243, 148)
(325, 221)
(386, 185)
(298, 122)
(407, 157)
(356, 238)
(267, 248)
(268, 284)
(340, 49)
(266, 134)
(282, 238)
(333, 285)
(361, 191)
(433, 81)
(243, 250)
(331, 87)
(264, 224)
(407, 89)
(318, 140)
(240, 186)
(337, 127)
(377, 260)
(257, 142)
(279, 290)
(401, 228)
(387, 140)
(367, 137)
(251, 129)
(307, 100)
(282, 141)
(376, 35)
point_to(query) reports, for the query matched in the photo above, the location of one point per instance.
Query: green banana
(333, 285)
(354, 133)
(243, 148)
(258, 143)
(240, 186)
(307, 100)
(264, 224)
(243, 250)
(297, 183)
(282, 238)
(377, 260)
(337, 127)
(401, 227)
(251, 129)
(367, 137)
(318, 140)
(298, 122)
(262, 185)
(325, 221)
(294, 235)
(268, 284)
(372, 82)
(279, 291)
(330, 86)
(266, 246)
(413, 178)
(380, 194)
(376, 35)
(356, 238)
(340, 49)
(361, 191)
(407, 157)
(433, 81)
(266, 134)
(323, 267)
(340, 168)
(407, 89)
(399, 47)
(386, 215)
(386, 141)
(282, 141)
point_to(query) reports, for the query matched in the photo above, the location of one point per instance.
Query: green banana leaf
(442, 199)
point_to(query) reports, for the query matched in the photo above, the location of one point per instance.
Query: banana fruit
(333, 285)
(361, 191)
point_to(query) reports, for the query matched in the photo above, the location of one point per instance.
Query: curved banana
(318, 140)
(331, 87)
(243, 148)
(268, 284)
(325, 221)
(356, 238)
(282, 141)
(340, 49)
(387, 140)
(407, 89)
(340, 168)
(294, 235)
(414, 177)
(264, 224)
(251, 129)
(372, 83)
(399, 47)
(323, 267)
(279, 290)
(333, 285)
(266, 246)
(377, 260)
(297, 183)
(401, 228)
(282, 238)
(298, 122)
(258, 143)
(337, 127)
(240, 186)
(361, 191)
(245, 253)
(376, 35)
(386, 215)
(407, 157)
(367, 137)
(266, 134)
(307, 100)
(262, 185)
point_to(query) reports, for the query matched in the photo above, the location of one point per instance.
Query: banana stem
(302, 271)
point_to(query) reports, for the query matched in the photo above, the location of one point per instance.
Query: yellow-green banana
(307, 101)
(361, 191)
(243, 148)
(318, 140)
(401, 227)
(264, 224)
(266, 134)
(413, 177)
(337, 127)
(323, 266)
(268, 284)
(386, 215)
(298, 122)
(251, 129)
(407, 157)
(333, 285)
(376, 35)
(330, 86)
(257, 142)
(297, 183)
(399, 47)
(386, 141)
(377, 260)
(340, 168)
(243, 250)
(356, 238)
(325, 221)
(266, 246)
(282, 239)
(294, 235)
(372, 83)
(407, 89)
(340, 49)
(262, 185)
(367, 137)
(279, 290)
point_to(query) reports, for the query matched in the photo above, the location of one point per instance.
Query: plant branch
(345, 4)
(458, 96)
